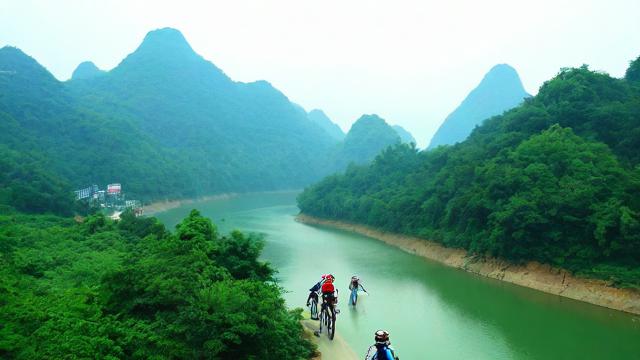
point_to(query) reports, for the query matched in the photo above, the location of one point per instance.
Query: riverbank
(160, 206)
(164, 205)
(532, 275)
(328, 349)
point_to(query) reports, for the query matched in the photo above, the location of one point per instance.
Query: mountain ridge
(86, 70)
(168, 118)
(319, 117)
(499, 90)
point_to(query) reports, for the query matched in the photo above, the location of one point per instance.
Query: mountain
(499, 91)
(368, 136)
(633, 72)
(405, 136)
(165, 123)
(86, 70)
(555, 180)
(321, 119)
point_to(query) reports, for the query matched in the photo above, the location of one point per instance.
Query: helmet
(382, 336)
(329, 279)
(355, 278)
(324, 276)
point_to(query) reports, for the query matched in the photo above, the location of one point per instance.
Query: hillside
(165, 122)
(368, 136)
(321, 119)
(405, 136)
(499, 91)
(86, 70)
(94, 288)
(553, 180)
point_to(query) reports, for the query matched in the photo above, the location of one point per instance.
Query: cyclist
(383, 349)
(354, 285)
(313, 294)
(329, 296)
(329, 292)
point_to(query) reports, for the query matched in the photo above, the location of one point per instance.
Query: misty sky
(411, 62)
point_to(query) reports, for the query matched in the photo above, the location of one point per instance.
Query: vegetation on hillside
(26, 185)
(368, 136)
(131, 289)
(554, 180)
(165, 123)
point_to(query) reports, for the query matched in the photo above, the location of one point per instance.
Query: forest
(166, 123)
(554, 180)
(89, 287)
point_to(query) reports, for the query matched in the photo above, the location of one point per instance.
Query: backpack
(383, 352)
(316, 287)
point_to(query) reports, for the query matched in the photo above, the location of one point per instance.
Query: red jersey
(328, 288)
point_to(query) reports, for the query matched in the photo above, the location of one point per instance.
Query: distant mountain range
(499, 91)
(167, 123)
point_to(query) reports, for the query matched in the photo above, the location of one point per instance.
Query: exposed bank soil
(160, 206)
(328, 349)
(164, 205)
(532, 275)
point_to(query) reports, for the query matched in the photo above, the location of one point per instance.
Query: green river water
(431, 311)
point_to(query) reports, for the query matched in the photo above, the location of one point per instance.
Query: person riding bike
(313, 293)
(328, 290)
(383, 349)
(354, 285)
(329, 296)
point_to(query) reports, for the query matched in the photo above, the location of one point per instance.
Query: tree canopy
(131, 289)
(554, 180)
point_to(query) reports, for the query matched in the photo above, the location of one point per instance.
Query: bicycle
(313, 306)
(328, 318)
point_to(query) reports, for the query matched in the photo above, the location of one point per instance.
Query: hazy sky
(411, 62)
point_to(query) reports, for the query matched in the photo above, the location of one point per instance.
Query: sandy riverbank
(329, 349)
(160, 206)
(532, 275)
(164, 205)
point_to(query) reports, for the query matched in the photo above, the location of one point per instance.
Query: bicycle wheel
(322, 318)
(314, 309)
(332, 327)
(327, 323)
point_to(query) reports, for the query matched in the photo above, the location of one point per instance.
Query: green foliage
(368, 136)
(165, 123)
(554, 180)
(131, 289)
(168, 124)
(28, 186)
(633, 72)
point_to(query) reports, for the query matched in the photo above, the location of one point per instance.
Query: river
(432, 311)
